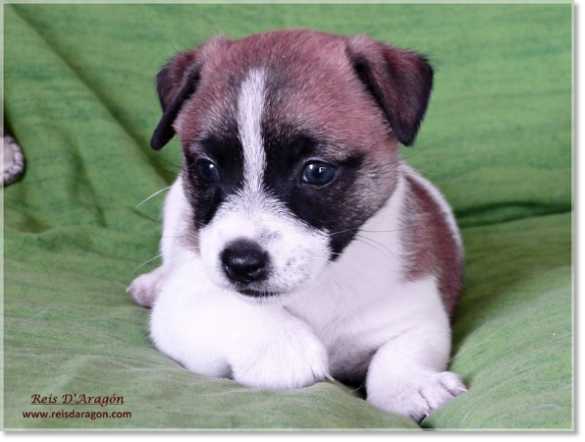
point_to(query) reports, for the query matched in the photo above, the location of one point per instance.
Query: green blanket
(79, 97)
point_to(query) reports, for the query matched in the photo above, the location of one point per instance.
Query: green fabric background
(79, 96)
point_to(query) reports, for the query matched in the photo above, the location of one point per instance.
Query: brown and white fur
(296, 244)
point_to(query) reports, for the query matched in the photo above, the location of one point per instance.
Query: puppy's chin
(260, 292)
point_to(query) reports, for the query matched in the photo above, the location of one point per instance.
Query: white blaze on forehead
(251, 100)
(297, 252)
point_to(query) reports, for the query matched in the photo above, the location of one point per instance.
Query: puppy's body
(296, 243)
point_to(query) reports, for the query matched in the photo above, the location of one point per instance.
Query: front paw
(146, 288)
(416, 394)
(294, 360)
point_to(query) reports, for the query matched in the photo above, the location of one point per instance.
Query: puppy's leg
(146, 288)
(407, 374)
(401, 383)
(217, 333)
(278, 351)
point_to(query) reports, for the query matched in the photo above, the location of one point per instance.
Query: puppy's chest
(351, 325)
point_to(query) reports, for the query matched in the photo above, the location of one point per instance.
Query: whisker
(370, 231)
(169, 162)
(152, 196)
(164, 170)
(149, 216)
(414, 153)
(362, 239)
(146, 262)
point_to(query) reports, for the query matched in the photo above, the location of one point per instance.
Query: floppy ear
(399, 81)
(175, 84)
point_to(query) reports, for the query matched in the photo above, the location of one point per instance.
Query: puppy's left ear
(399, 81)
(176, 83)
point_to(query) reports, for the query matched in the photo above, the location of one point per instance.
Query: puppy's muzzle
(245, 262)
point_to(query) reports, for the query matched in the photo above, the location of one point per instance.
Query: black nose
(244, 262)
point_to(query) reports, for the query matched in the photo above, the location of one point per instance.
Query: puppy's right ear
(175, 84)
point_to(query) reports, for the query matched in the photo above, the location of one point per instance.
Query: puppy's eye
(207, 171)
(318, 173)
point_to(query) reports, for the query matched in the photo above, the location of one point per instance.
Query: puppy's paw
(145, 288)
(293, 360)
(417, 394)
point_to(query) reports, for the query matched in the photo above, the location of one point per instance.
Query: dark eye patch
(214, 171)
(319, 183)
(226, 152)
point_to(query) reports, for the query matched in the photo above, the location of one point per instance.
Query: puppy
(296, 243)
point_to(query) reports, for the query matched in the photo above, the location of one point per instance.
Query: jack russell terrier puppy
(297, 245)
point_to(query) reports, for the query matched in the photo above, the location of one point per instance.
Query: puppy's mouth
(258, 293)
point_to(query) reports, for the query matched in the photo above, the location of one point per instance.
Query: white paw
(295, 359)
(145, 288)
(417, 394)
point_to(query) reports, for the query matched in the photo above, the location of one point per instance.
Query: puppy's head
(290, 142)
